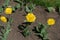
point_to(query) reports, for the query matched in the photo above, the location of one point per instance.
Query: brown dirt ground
(42, 16)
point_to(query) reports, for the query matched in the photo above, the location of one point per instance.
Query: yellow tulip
(3, 19)
(8, 10)
(51, 21)
(30, 17)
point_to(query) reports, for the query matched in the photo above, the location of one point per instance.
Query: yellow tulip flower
(8, 10)
(3, 19)
(51, 21)
(30, 17)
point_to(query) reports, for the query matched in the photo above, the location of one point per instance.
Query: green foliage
(46, 3)
(18, 1)
(24, 3)
(26, 32)
(27, 9)
(17, 6)
(13, 8)
(57, 3)
(6, 3)
(5, 30)
(42, 31)
(30, 7)
(50, 9)
(28, 1)
(10, 20)
(1, 9)
(49, 4)
(25, 29)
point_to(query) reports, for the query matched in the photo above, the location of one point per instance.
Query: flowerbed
(27, 15)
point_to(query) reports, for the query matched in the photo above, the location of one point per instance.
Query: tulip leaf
(21, 27)
(30, 7)
(39, 34)
(37, 29)
(42, 31)
(50, 9)
(27, 9)
(26, 31)
(13, 8)
(10, 20)
(6, 3)
(18, 1)
(1, 9)
(17, 6)
(4, 32)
